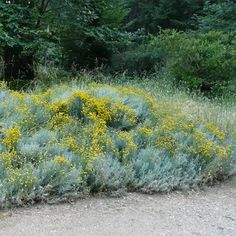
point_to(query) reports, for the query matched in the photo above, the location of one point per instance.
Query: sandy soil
(212, 212)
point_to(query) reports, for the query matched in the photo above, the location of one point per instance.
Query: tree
(87, 31)
(220, 15)
(92, 32)
(20, 23)
(153, 14)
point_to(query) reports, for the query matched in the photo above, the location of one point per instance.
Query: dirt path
(212, 212)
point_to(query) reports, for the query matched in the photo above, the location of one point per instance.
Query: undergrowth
(73, 139)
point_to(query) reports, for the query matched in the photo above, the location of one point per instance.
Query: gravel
(209, 212)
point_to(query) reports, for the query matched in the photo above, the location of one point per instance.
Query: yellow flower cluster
(60, 106)
(42, 98)
(144, 131)
(167, 143)
(169, 124)
(186, 125)
(61, 160)
(216, 132)
(96, 109)
(91, 145)
(119, 111)
(71, 143)
(60, 119)
(7, 158)
(12, 135)
(21, 179)
(18, 95)
(129, 145)
(209, 148)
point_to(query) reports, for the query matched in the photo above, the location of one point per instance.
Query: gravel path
(212, 212)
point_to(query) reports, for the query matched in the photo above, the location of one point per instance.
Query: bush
(201, 61)
(139, 60)
(69, 140)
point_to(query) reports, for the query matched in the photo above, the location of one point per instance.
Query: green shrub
(201, 61)
(139, 60)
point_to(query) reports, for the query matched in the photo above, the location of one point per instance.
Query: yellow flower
(3, 84)
(24, 179)
(60, 106)
(71, 143)
(12, 135)
(216, 132)
(167, 143)
(60, 120)
(144, 131)
(93, 108)
(120, 111)
(129, 145)
(61, 160)
(8, 158)
(17, 95)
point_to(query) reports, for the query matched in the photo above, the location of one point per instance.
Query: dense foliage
(118, 36)
(218, 16)
(204, 61)
(73, 32)
(69, 140)
(153, 14)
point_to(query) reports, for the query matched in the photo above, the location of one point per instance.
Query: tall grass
(218, 110)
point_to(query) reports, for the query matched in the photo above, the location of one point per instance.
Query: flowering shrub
(12, 135)
(70, 140)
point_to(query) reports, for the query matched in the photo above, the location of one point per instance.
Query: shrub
(156, 172)
(69, 140)
(201, 61)
(138, 60)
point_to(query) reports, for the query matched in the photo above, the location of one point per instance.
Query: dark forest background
(193, 42)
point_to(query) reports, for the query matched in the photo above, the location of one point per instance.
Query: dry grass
(220, 111)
